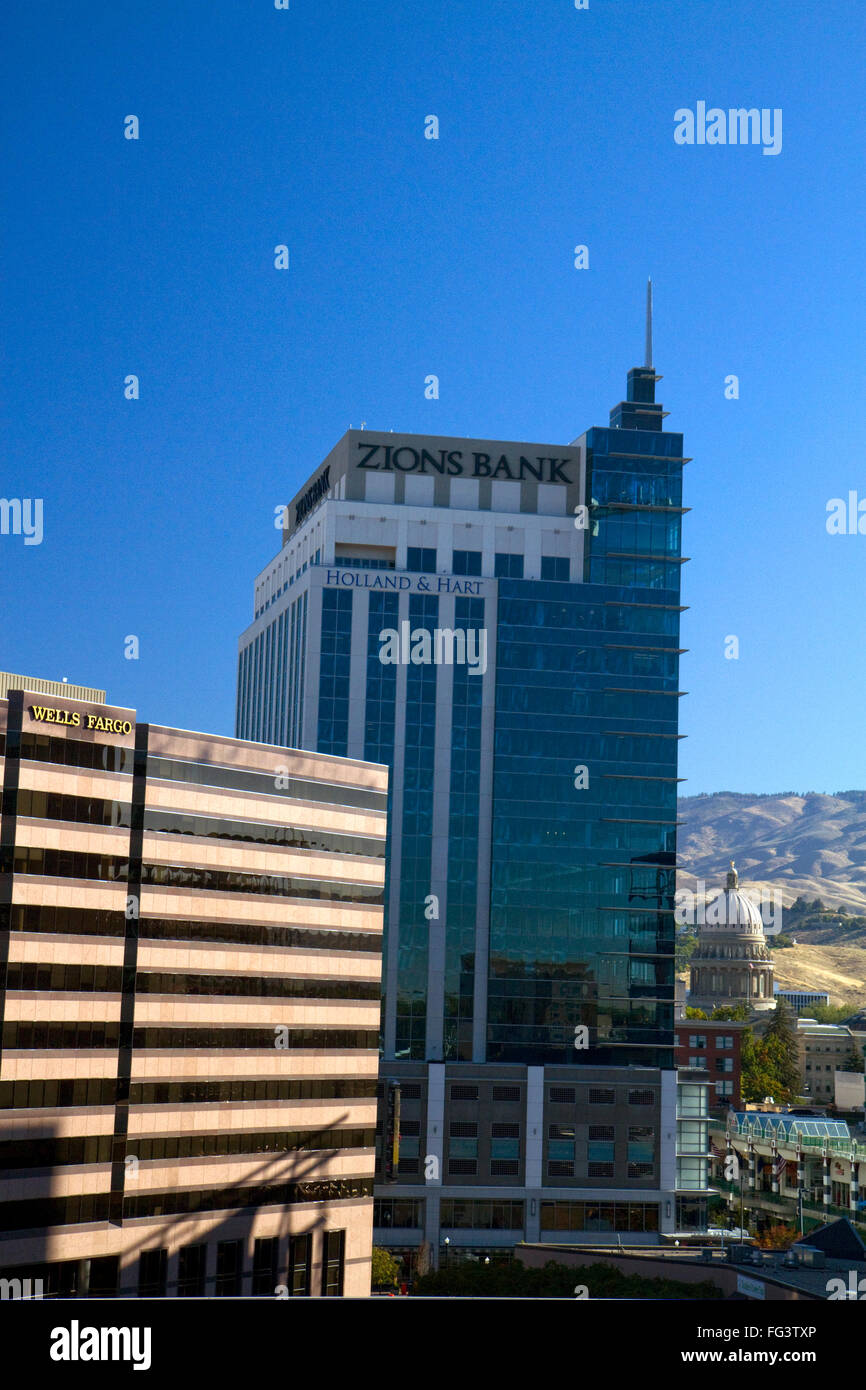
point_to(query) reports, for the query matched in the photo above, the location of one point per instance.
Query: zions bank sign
(457, 463)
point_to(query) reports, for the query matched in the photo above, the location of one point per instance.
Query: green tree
(683, 950)
(854, 1060)
(830, 1013)
(730, 1013)
(758, 1077)
(694, 1013)
(386, 1268)
(780, 1043)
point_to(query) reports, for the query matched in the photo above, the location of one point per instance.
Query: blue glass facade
(585, 779)
(463, 845)
(333, 734)
(271, 670)
(417, 840)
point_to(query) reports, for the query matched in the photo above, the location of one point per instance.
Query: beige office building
(190, 962)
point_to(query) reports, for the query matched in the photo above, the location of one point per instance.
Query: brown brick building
(715, 1047)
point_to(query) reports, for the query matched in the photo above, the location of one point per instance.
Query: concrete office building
(499, 623)
(190, 947)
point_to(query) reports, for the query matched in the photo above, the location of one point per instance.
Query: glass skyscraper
(499, 623)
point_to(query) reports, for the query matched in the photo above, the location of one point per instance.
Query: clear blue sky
(412, 256)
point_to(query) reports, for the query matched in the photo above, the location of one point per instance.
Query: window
(558, 1168)
(697, 1061)
(462, 1129)
(505, 1131)
(554, 567)
(697, 1040)
(333, 1260)
(466, 562)
(152, 1273)
(191, 1270)
(265, 1265)
(229, 1268)
(592, 1216)
(599, 1170)
(724, 1040)
(481, 1216)
(560, 1095)
(641, 1097)
(601, 1097)
(464, 1092)
(463, 1148)
(561, 1150)
(504, 1168)
(600, 1151)
(506, 1093)
(103, 1277)
(421, 558)
(394, 1211)
(300, 1264)
(508, 566)
(724, 1088)
(462, 1167)
(724, 1064)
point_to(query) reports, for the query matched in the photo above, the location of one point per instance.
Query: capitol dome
(732, 910)
(731, 963)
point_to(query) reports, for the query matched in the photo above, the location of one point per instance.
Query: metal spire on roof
(648, 354)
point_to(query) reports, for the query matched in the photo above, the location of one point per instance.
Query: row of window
(33, 975)
(510, 1168)
(59, 863)
(558, 1095)
(97, 811)
(80, 921)
(287, 583)
(595, 1216)
(229, 1277)
(723, 1064)
(97, 1148)
(254, 832)
(423, 559)
(28, 1035)
(77, 1210)
(267, 784)
(73, 752)
(720, 1041)
(600, 1095)
(96, 1090)
(509, 1216)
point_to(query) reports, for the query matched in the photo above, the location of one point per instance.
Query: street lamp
(446, 1243)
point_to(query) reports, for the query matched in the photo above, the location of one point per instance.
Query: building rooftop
(10, 681)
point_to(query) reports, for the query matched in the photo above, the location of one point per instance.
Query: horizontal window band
(30, 1037)
(167, 769)
(33, 977)
(81, 1150)
(73, 921)
(102, 1091)
(85, 1210)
